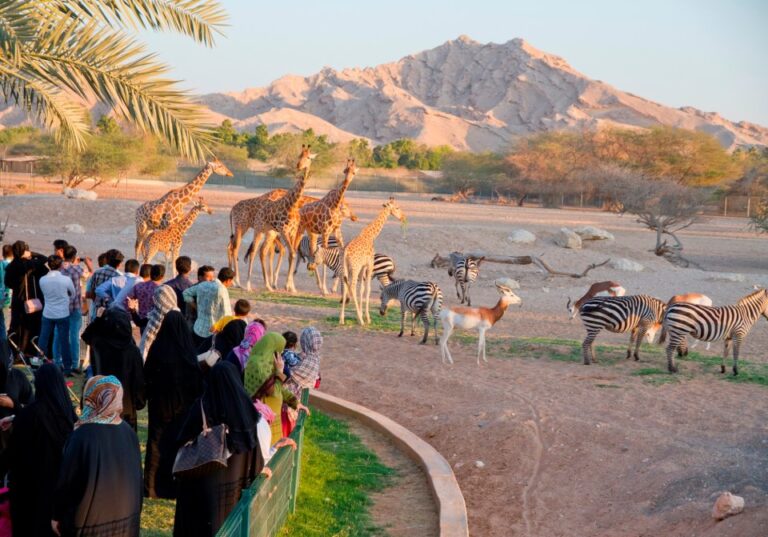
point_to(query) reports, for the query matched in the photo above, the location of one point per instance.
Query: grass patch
(338, 474)
(307, 300)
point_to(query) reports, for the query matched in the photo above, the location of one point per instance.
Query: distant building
(23, 164)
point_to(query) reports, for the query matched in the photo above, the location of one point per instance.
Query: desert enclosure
(616, 448)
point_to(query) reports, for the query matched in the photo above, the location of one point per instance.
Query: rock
(481, 464)
(78, 194)
(508, 282)
(74, 228)
(622, 263)
(727, 504)
(566, 238)
(521, 236)
(726, 276)
(591, 233)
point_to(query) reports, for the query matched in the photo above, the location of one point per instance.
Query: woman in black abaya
(114, 352)
(22, 276)
(205, 501)
(173, 382)
(35, 451)
(99, 488)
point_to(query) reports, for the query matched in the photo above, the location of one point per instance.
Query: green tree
(258, 144)
(107, 125)
(56, 54)
(359, 150)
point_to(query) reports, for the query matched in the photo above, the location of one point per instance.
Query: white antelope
(597, 289)
(480, 319)
(692, 298)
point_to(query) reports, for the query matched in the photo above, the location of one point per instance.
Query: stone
(566, 238)
(591, 233)
(726, 505)
(521, 236)
(79, 194)
(479, 464)
(508, 282)
(622, 263)
(726, 276)
(74, 228)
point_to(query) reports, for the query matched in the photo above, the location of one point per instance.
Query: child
(290, 356)
(230, 330)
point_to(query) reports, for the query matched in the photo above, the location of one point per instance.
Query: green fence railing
(264, 506)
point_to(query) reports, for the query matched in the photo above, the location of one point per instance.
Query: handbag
(207, 452)
(211, 356)
(31, 305)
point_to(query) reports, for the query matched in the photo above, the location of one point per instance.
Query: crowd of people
(72, 462)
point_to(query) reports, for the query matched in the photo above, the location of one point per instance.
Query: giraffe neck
(189, 219)
(196, 184)
(293, 196)
(334, 197)
(373, 229)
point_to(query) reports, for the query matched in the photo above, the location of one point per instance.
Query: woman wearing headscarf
(264, 379)
(15, 389)
(306, 372)
(35, 451)
(173, 382)
(22, 276)
(239, 355)
(204, 501)
(114, 352)
(99, 487)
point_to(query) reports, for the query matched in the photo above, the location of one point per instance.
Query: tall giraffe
(282, 217)
(323, 217)
(357, 262)
(169, 240)
(169, 209)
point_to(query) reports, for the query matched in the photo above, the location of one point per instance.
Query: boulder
(74, 228)
(508, 282)
(726, 276)
(566, 238)
(591, 233)
(622, 263)
(521, 236)
(726, 505)
(79, 194)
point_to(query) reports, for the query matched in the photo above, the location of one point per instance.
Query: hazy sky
(704, 53)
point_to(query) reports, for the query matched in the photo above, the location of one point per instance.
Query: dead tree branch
(440, 261)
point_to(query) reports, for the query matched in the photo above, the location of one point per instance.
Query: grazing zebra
(641, 314)
(383, 267)
(419, 298)
(709, 323)
(464, 272)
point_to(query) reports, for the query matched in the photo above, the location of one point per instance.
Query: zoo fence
(266, 504)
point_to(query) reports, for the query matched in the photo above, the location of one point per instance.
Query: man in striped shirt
(107, 272)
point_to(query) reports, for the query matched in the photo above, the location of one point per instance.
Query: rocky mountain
(463, 93)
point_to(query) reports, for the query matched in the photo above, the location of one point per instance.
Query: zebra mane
(753, 296)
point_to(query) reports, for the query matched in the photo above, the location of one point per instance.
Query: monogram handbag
(31, 305)
(205, 453)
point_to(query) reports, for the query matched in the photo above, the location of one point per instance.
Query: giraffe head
(351, 168)
(202, 206)
(394, 210)
(218, 168)
(305, 158)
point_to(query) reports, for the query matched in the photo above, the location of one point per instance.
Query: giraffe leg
(257, 237)
(344, 287)
(339, 237)
(279, 264)
(263, 260)
(368, 277)
(289, 285)
(312, 265)
(355, 302)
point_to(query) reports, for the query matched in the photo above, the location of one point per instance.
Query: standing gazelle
(480, 319)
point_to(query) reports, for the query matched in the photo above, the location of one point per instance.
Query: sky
(709, 54)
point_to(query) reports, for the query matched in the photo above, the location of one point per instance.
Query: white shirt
(57, 290)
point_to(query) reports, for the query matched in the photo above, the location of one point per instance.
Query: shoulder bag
(205, 453)
(211, 356)
(31, 305)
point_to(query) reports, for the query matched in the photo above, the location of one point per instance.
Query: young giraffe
(282, 219)
(357, 262)
(169, 209)
(169, 240)
(323, 217)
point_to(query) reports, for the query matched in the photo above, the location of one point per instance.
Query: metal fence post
(749, 205)
(725, 207)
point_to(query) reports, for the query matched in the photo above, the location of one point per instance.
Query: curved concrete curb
(452, 510)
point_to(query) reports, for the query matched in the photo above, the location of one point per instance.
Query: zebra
(464, 271)
(383, 267)
(419, 298)
(708, 323)
(641, 314)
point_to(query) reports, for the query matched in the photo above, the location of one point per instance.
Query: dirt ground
(567, 449)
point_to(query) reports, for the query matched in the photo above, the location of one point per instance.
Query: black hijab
(51, 397)
(225, 401)
(174, 342)
(110, 332)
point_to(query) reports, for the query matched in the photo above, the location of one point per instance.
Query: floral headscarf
(164, 300)
(102, 401)
(253, 333)
(305, 373)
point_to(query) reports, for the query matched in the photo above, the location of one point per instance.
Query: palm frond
(17, 26)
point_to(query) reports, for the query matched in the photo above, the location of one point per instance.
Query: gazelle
(596, 289)
(480, 319)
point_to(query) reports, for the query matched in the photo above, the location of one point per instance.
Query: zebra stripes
(638, 313)
(419, 298)
(708, 323)
(464, 272)
(383, 267)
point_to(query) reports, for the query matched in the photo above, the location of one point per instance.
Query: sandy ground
(568, 449)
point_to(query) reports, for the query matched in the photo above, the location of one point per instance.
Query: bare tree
(661, 205)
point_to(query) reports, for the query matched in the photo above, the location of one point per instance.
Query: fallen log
(447, 261)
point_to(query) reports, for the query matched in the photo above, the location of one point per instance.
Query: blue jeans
(75, 323)
(61, 336)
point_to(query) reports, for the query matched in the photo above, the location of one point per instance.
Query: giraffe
(169, 209)
(357, 262)
(323, 217)
(169, 240)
